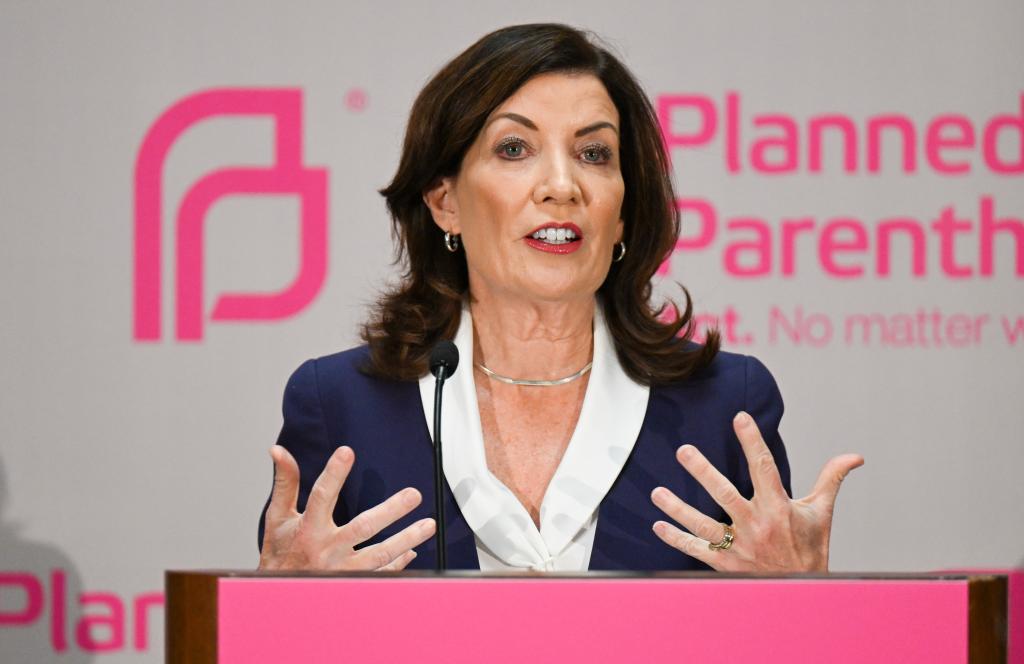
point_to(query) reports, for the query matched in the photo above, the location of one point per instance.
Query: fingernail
(659, 527)
(658, 493)
(414, 554)
(345, 453)
(409, 496)
(686, 451)
(741, 419)
(426, 524)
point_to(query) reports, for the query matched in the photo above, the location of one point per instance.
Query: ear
(443, 207)
(620, 231)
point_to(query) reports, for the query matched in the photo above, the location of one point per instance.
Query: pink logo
(100, 629)
(286, 176)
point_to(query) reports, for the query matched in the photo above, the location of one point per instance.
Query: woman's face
(538, 198)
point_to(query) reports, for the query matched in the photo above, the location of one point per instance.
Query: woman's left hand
(771, 532)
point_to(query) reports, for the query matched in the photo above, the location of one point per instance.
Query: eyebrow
(528, 123)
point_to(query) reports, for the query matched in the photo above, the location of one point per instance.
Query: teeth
(554, 235)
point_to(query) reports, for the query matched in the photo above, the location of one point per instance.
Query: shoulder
(735, 367)
(347, 363)
(340, 380)
(730, 369)
(731, 381)
(710, 399)
(343, 366)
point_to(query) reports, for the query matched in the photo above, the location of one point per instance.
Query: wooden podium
(250, 617)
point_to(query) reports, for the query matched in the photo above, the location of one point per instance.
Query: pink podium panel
(607, 618)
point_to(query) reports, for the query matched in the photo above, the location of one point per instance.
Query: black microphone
(444, 360)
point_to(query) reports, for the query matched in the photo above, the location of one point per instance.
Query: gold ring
(727, 539)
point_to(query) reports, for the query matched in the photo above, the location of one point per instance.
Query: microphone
(444, 360)
(444, 357)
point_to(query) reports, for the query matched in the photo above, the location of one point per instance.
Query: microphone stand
(444, 360)
(442, 553)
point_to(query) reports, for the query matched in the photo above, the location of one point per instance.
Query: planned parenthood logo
(286, 176)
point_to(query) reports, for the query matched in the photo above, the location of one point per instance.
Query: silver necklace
(534, 383)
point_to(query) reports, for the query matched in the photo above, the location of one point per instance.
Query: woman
(532, 206)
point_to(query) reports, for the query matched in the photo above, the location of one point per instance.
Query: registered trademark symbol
(355, 100)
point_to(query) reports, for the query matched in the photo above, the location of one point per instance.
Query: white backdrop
(121, 457)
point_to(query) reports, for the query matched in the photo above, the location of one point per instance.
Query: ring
(727, 539)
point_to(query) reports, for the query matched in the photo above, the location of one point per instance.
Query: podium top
(953, 575)
(241, 615)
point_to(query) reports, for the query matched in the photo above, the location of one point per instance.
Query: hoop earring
(451, 242)
(621, 253)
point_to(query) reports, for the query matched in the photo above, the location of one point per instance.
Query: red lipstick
(561, 248)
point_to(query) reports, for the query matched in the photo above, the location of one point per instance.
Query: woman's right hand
(312, 541)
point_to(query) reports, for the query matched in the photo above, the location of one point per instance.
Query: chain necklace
(534, 383)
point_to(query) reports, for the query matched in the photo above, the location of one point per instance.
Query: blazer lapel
(625, 539)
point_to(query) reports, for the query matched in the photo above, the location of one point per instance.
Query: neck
(533, 340)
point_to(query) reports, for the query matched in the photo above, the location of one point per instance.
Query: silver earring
(451, 242)
(621, 253)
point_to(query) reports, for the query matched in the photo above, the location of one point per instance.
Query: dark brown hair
(426, 305)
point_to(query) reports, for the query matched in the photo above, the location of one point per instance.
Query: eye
(511, 148)
(596, 154)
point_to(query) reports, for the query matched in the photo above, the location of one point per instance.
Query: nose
(557, 182)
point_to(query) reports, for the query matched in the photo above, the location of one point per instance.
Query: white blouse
(506, 537)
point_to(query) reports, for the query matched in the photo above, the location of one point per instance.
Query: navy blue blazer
(328, 402)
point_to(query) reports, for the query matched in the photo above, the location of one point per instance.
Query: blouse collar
(613, 411)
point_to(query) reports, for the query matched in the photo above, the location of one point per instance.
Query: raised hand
(312, 541)
(771, 532)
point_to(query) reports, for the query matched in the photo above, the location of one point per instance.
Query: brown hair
(426, 305)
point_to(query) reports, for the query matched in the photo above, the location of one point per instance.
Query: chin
(557, 292)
